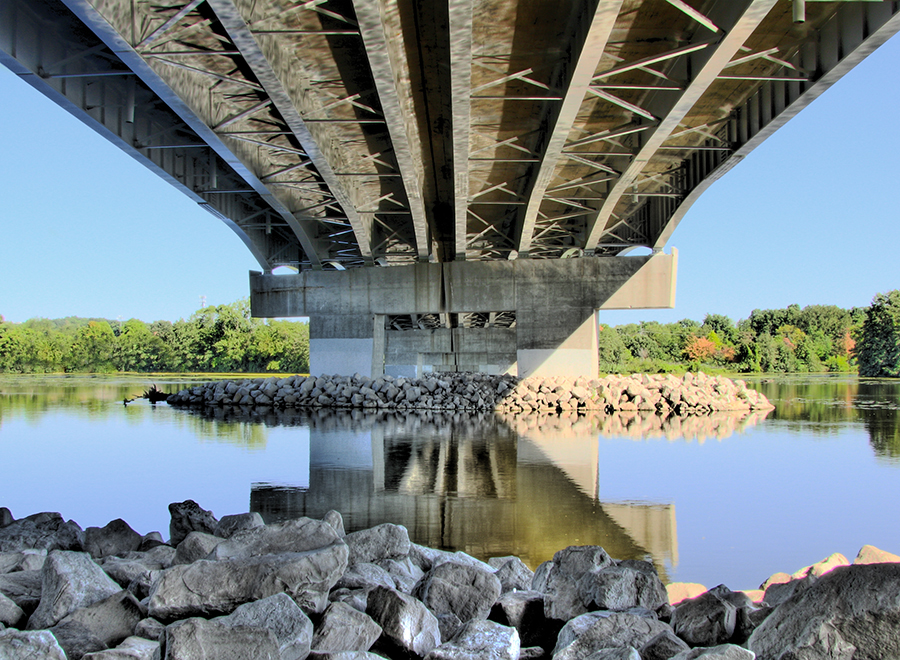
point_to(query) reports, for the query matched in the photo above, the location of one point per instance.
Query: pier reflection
(490, 486)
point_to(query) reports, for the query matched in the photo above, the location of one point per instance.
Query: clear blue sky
(810, 217)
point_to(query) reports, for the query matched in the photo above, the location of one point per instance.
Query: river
(727, 499)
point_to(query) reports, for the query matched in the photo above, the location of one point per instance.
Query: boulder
(196, 545)
(512, 573)
(6, 518)
(279, 613)
(378, 543)
(22, 560)
(466, 591)
(679, 591)
(132, 648)
(524, 611)
(195, 638)
(365, 576)
(558, 579)
(344, 628)
(299, 535)
(229, 525)
(149, 628)
(46, 531)
(707, 620)
(29, 645)
(117, 538)
(69, 581)
(663, 646)
(479, 640)
(207, 588)
(591, 632)
(721, 652)
(98, 626)
(23, 588)
(187, 517)
(779, 592)
(407, 625)
(619, 588)
(404, 573)
(853, 611)
(136, 570)
(336, 520)
(343, 655)
(822, 567)
(10, 613)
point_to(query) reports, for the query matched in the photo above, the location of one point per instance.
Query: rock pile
(694, 393)
(238, 588)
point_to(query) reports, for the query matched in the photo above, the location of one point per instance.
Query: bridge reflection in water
(527, 486)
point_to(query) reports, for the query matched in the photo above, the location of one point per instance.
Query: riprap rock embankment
(693, 393)
(303, 588)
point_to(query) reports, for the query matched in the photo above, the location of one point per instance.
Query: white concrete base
(340, 356)
(567, 362)
(401, 370)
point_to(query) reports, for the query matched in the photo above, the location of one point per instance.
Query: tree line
(218, 338)
(225, 338)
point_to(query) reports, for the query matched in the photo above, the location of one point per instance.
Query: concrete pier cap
(525, 317)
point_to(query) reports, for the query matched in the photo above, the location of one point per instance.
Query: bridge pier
(524, 317)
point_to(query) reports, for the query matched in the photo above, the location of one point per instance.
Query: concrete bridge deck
(334, 135)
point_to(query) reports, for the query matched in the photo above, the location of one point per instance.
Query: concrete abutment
(523, 317)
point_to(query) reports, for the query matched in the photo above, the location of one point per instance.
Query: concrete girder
(749, 19)
(586, 53)
(288, 107)
(460, 32)
(779, 100)
(387, 60)
(110, 35)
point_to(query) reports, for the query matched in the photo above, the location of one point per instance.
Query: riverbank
(691, 394)
(305, 589)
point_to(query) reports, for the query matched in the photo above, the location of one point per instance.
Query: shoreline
(71, 593)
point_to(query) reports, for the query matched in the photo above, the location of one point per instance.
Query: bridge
(455, 184)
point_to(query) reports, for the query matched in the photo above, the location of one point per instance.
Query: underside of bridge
(379, 135)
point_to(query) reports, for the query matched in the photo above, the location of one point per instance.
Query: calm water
(725, 499)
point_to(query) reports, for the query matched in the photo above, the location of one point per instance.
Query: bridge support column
(526, 317)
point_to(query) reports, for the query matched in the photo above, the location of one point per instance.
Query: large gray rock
(196, 639)
(132, 648)
(208, 588)
(378, 543)
(98, 626)
(852, 612)
(69, 581)
(117, 538)
(187, 517)
(29, 645)
(10, 613)
(22, 560)
(479, 640)
(404, 572)
(279, 613)
(427, 558)
(463, 590)
(524, 611)
(558, 579)
(512, 573)
(406, 623)
(594, 631)
(663, 646)
(42, 530)
(239, 522)
(196, 545)
(6, 518)
(136, 570)
(343, 628)
(299, 535)
(149, 628)
(620, 588)
(365, 576)
(721, 652)
(706, 620)
(23, 588)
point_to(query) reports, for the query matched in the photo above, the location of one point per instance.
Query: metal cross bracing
(350, 133)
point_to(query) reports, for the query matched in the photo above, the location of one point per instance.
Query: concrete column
(557, 342)
(341, 344)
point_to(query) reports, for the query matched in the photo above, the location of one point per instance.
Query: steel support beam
(587, 56)
(239, 32)
(755, 12)
(381, 32)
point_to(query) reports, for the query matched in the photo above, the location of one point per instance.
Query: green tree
(92, 349)
(613, 352)
(877, 348)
